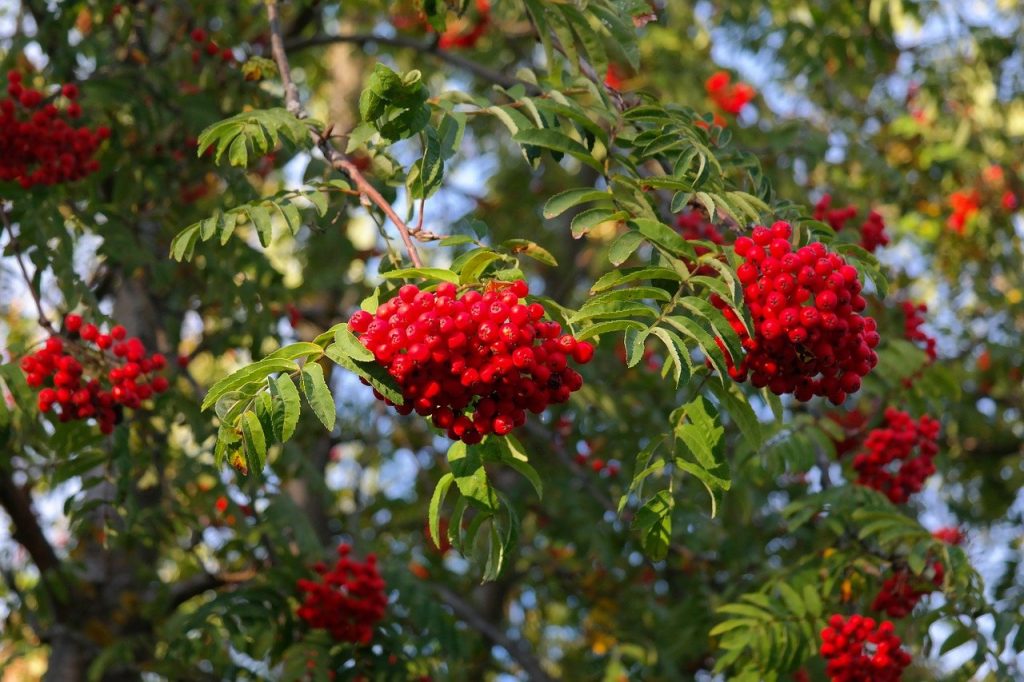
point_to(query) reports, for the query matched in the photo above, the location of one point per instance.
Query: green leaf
(813, 601)
(531, 249)
(434, 510)
(624, 246)
(495, 552)
(563, 201)
(793, 601)
(285, 415)
(698, 428)
(617, 278)
(318, 395)
(511, 453)
(584, 221)
(373, 372)
(260, 218)
(347, 342)
(422, 273)
(654, 521)
(471, 477)
(559, 142)
(476, 264)
(664, 236)
(959, 637)
(296, 351)
(255, 441)
(254, 373)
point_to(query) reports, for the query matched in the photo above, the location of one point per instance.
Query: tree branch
(423, 47)
(26, 527)
(338, 161)
(465, 612)
(44, 321)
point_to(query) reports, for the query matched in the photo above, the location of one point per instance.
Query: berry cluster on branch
(860, 650)
(888, 462)
(872, 230)
(474, 362)
(38, 143)
(913, 319)
(348, 600)
(902, 590)
(93, 375)
(809, 338)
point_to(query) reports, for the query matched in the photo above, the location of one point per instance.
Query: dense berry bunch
(347, 601)
(888, 463)
(730, 97)
(693, 225)
(809, 338)
(872, 230)
(835, 217)
(901, 591)
(859, 650)
(951, 535)
(38, 144)
(913, 318)
(474, 362)
(93, 375)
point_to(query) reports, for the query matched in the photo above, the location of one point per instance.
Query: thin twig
(44, 321)
(337, 160)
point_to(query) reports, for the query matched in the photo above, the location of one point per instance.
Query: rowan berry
(893, 446)
(808, 336)
(348, 600)
(89, 383)
(860, 650)
(474, 363)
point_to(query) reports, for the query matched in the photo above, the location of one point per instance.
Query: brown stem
(337, 160)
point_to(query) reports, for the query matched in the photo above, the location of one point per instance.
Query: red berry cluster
(872, 230)
(38, 145)
(951, 535)
(475, 362)
(809, 338)
(835, 217)
(458, 37)
(693, 225)
(210, 48)
(902, 590)
(896, 443)
(965, 205)
(348, 601)
(122, 374)
(913, 318)
(730, 97)
(859, 650)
